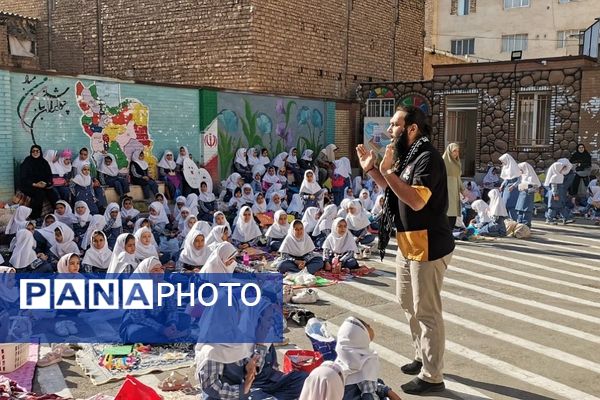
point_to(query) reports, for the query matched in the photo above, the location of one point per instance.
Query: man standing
(414, 175)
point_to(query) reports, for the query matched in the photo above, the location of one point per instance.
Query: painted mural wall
(275, 123)
(62, 112)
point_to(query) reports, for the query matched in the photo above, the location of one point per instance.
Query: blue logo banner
(141, 308)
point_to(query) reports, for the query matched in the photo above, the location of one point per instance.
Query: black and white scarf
(390, 205)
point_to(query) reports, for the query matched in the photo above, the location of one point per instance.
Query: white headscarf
(136, 159)
(279, 161)
(360, 220)
(191, 202)
(83, 180)
(554, 175)
(272, 179)
(483, 211)
(18, 220)
(307, 155)
(245, 231)
(181, 158)
(277, 231)
(83, 218)
(189, 254)
(253, 158)
(67, 245)
(296, 205)
(292, 159)
(131, 213)
(367, 203)
(342, 167)
(296, 247)
(309, 187)
(202, 227)
(309, 219)
(217, 259)
(326, 220)
(240, 157)
(143, 251)
(258, 169)
(166, 164)
(376, 193)
(250, 197)
(264, 160)
(120, 258)
(497, 206)
(161, 217)
(329, 152)
(510, 169)
(528, 175)
(186, 225)
(113, 207)
(216, 235)
(68, 217)
(567, 166)
(146, 265)
(96, 224)
(50, 156)
(359, 362)
(232, 181)
(340, 244)
(60, 168)
(224, 218)
(112, 170)
(377, 208)
(259, 208)
(78, 163)
(63, 264)
(208, 196)
(325, 382)
(98, 258)
(357, 185)
(272, 205)
(23, 254)
(348, 195)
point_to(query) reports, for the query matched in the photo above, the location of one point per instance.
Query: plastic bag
(320, 338)
(132, 389)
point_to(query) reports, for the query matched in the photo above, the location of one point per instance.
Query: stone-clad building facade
(308, 48)
(532, 109)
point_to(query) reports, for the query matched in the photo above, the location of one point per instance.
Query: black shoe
(419, 386)
(413, 368)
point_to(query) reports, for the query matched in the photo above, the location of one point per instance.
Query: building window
(533, 119)
(564, 38)
(515, 4)
(381, 107)
(21, 47)
(514, 42)
(463, 47)
(463, 7)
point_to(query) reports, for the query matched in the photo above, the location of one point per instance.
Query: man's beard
(401, 145)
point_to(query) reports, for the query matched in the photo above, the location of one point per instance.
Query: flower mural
(273, 123)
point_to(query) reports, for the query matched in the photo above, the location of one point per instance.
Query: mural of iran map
(117, 126)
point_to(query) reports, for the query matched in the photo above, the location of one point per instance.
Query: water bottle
(246, 259)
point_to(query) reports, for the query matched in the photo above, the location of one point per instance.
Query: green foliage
(253, 138)
(227, 148)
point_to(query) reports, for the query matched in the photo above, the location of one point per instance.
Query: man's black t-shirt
(425, 235)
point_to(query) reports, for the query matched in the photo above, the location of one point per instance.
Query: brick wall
(283, 47)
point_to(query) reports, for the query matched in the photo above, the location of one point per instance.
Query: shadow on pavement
(499, 389)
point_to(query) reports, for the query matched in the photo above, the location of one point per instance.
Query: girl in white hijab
(83, 216)
(257, 173)
(189, 225)
(365, 199)
(306, 161)
(349, 193)
(326, 382)
(240, 165)
(510, 173)
(220, 219)
(357, 184)
(270, 178)
(247, 194)
(83, 158)
(97, 257)
(123, 258)
(246, 231)
(220, 261)
(529, 184)
(64, 213)
(18, 220)
(292, 164)
(24, 258)
(260, 204)
(340, 244)
(280, 160)
(309, 219)
(83, 190)
(158, 217)
(323, 226)
(167, 172)
(108, 174)
(195, 252)
(113, 226)
(483, 213)
(360, 363)
(376, 192)
(310, 190)
(207, 202)
(68, 264)
(253, 158)
(182, 155)
(129, 213)
(297, 251)
(96, 224)
(359, 222)
(179, 204)
(278, 231)
(64, 243)
(498, 213)
(296, 206)
(138, 168)
(192, 203)
(377, 212)
(218, 235)
(343, 211)
(275, 203)
(557, 191)
(233, 182)
(145, 245)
